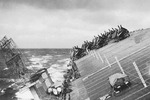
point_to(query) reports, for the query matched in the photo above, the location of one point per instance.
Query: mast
(13, 57)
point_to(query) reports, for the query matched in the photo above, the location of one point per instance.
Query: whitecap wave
(57, 71)
(42, 59)
(24, 95)
(58, 55)
(39, 61)
(64, 60)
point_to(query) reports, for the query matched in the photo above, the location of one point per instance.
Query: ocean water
(55, 60)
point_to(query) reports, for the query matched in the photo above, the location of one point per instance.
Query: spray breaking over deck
(130, 56)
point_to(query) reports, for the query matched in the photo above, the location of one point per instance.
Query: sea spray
(57, 66)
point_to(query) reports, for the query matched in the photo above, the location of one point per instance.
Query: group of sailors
(113, 35)
(71, 75)
(72, 70)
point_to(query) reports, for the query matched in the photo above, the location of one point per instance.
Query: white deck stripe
(95, 53)
(119, 65)
(99, 55)
(140, 75)
(107, 61)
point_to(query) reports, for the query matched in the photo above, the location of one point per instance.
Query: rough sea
(55, 60)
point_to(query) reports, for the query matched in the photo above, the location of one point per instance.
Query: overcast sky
(66, 23)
